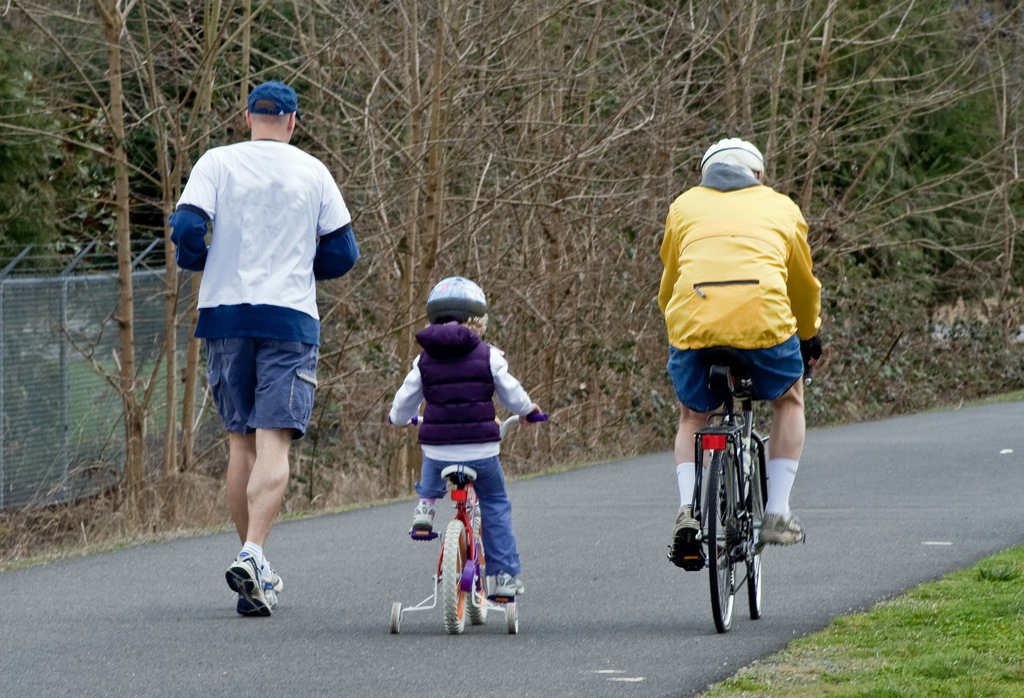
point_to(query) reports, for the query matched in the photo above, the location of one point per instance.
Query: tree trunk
(814, 135)
(133, 416)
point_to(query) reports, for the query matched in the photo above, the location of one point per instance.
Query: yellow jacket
(737, 270)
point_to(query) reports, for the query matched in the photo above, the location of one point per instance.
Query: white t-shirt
(269, 202)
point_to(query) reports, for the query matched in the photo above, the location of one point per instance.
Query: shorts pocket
(300, 399)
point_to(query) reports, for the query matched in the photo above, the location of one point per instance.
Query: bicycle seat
(727, 371)
(459, 473)
(735, 359)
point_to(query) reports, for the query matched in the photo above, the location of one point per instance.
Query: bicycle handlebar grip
(537, 417)
(415, 420)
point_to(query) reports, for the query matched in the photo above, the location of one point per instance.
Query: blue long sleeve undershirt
(336, 252)
(188, 234)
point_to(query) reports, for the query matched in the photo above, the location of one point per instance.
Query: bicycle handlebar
(532, 417)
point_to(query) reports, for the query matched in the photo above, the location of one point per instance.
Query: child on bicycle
(457, 374)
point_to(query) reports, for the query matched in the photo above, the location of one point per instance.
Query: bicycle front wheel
(453, 598)
(718, 509)
(478, 597)
(758, 490)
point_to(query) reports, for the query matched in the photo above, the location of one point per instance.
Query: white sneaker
(423, 517)
(243, 576)
(508, 585)
(272, 586)
(781, 530)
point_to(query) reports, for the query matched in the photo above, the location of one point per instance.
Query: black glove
(810, 348)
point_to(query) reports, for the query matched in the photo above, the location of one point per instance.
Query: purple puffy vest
(457, 386)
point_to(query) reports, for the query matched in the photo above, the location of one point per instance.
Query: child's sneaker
(272, 586)
(423, 517)
(507, 585)
(243, 576)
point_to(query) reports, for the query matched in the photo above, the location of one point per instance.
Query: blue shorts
(772, 372)
(262, 383)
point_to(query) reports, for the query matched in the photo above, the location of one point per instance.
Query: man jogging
(279, 224)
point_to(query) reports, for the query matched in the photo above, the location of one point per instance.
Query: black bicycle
(729, 497)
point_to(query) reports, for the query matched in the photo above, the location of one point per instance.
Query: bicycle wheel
(512, 617)
(396, 617)
(717, 513)
(453, 599)
(757, 501)
(478, 599)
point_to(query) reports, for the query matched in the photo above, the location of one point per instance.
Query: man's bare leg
(241, 458)
(267, 482)
(785, 448)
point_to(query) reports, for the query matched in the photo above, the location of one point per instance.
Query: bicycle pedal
(689, 561)
(502, 599)
(417, 534)
(690, 557)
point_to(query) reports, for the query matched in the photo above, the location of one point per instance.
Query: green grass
(961, 637)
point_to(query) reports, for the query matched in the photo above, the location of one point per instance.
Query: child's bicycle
(464, 590)
(729, 498)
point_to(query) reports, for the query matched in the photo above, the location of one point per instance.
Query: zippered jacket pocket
(727, 313)
(711, 284)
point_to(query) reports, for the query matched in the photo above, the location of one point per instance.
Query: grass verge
(961, 636)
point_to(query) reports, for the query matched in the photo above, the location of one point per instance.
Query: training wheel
(396, 617)
(512, 617)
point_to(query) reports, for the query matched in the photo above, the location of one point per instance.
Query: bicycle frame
(738, 483)
(728, 430)
(472, 587)
(464, 500)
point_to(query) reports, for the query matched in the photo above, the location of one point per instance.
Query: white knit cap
(734, 151)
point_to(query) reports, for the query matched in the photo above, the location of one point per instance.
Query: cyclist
(457, 374)
(737, 273)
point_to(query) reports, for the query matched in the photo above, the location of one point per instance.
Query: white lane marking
(605, 671)
(636, 679)
(1005, 451)
(936, 542)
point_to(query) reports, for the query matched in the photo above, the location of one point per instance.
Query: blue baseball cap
(273, 98)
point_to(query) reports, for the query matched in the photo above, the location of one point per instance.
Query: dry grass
(188, 504)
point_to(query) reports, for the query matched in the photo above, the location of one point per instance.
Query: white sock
(686, 476)
(781, 474)
(256, 551)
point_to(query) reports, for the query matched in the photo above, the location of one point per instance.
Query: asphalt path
(886, 506)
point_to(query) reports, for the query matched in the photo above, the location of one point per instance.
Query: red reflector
(458, 495)
(713, 442)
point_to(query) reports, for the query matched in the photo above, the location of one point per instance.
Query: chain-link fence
(63, 435)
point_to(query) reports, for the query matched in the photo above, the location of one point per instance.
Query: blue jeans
(495, 509)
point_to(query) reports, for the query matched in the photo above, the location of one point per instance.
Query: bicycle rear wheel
(718, 510)
(759, 491)
(453, 598)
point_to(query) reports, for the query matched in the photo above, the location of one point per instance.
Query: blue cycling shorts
(772, 372)
(261, 383)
